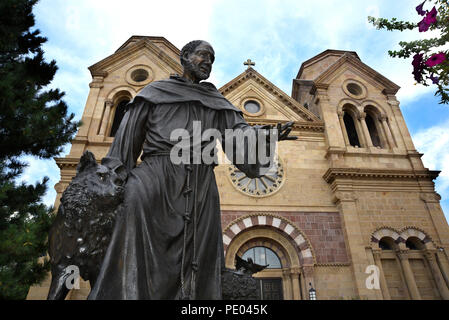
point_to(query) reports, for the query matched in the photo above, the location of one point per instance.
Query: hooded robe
(167, 241)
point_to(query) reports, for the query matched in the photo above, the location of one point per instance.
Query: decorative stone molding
(432, 197)
(362, 116)
(402, 254)
(96, 85)
(281, 224)
(308, 271)
(351, 173)
(384, 232)
(400, 236)
(340, 196)
(343, 264)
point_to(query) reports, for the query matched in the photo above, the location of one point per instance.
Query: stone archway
(283, 237)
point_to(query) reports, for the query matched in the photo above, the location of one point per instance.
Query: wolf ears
(87, 160)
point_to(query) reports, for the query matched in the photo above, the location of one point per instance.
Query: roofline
(322, 54)
(170, 45)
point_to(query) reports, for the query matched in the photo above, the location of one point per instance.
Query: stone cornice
(68, 163)
(358, 173)
(286, 99)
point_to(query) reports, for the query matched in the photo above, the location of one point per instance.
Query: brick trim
(281, 224)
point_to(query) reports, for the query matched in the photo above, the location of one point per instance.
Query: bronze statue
(248, 266)
(167, 238)
(83, 225)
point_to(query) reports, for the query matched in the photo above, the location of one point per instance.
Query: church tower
(348, 212)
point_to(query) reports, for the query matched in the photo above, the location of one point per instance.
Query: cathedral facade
(348, 212)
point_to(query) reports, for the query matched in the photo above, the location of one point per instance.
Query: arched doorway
(270, 279)
(295, 267)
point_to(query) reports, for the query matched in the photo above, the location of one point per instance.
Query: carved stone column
(104, 122)
(346, 202)
(408, 275)
(304, 294)
(443, 266)
(390, 140)
(341, 114)
(294, 274)
(437, 276)
(92, 100)
(287, 284)
(365, 130)
(383, 281)
(405, 137)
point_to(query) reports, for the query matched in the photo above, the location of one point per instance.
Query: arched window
(263, 256)
(351, 130)
(118, 116)
(374, 134)
(414, 243)
(386, 243)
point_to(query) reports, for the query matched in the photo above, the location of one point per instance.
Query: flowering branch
(430, 60)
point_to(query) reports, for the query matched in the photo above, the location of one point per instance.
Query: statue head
(197, 58)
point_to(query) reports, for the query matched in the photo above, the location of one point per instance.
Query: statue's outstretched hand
(284, 131)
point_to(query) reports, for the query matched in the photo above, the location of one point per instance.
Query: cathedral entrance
(271, 289)
(285, 276)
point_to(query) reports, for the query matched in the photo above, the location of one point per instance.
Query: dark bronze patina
(166, 242)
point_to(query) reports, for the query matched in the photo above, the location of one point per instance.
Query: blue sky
(277, 34)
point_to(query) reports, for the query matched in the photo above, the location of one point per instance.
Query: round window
(355, 89)
(252, 106)
(139, 75)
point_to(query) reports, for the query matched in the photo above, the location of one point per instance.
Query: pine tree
(33, 121)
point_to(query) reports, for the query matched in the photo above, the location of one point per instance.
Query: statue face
(198, 64)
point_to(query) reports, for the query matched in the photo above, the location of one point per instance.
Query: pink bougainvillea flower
(423, 25)
(420, 10)
(418, 67)
(428, 20)
(431, 16)
(417, 59)
(436, 59)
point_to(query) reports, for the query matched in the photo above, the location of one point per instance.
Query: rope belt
(187, 219)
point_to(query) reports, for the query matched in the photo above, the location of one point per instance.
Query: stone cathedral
(349, 211)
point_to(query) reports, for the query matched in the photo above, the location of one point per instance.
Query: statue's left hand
(284, 131)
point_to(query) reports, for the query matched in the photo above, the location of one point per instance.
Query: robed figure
(167, 241)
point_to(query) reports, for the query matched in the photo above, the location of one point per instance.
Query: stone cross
(249, 63)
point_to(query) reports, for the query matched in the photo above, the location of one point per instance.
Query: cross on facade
(249, 63)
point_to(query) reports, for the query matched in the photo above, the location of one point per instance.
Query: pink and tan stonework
(337, 203)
